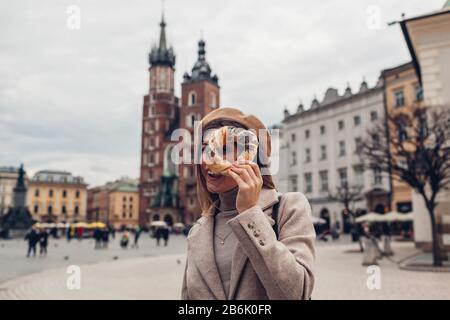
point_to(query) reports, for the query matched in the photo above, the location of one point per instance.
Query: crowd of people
(101, 235)
(34, 237)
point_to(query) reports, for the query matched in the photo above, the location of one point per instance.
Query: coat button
(256, 233)
(261, 242)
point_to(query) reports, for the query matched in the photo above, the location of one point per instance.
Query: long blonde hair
(206, 198)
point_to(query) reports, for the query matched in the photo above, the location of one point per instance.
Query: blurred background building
(115, 203)
(57, 196)
(428, 39)
(320, 152)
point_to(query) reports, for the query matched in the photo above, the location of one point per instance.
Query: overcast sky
(72, 99)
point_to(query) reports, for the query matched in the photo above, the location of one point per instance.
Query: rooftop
(331, 99)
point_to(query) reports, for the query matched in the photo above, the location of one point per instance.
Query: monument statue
(18, 219)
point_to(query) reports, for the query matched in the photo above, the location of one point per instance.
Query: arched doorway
(156, 217)
(168, 219)
(325, 214)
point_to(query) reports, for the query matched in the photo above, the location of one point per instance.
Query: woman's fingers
(256, 169)
(241, 183)
(250, 172)
(244, 174)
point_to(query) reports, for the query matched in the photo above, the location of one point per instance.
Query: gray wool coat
(263, 267)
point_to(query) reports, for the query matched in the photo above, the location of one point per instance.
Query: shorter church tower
(200, 94)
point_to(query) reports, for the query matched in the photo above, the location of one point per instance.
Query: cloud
(72, 100)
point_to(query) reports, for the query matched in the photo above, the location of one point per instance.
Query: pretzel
(244, 143)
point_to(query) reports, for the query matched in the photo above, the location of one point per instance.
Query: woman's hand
(248, 177)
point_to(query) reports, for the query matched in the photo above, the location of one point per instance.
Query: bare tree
(416, 150)
(347, 196)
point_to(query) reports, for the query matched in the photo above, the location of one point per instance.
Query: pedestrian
(33, 237)
(124, 240)
(97, 238)
(137, 234)
(268, 235)
(105, 238)
(43, 242)
(68, 234)
(80, 232)
(158, 235)
(165, 235)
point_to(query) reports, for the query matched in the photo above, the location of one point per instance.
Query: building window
(359, 176)
(307, 133)
(294, 158)
(341, 148)
(64, 194)
(190, 120)
(63, 209)
(323, 180)
(124, 199)
(341, 124)
(323, 152)
(293, 187)
(358, 145)
(131, 199)
(402, 132)
(50, 193)
(77, 194)
(36, 193)
(357, 120)
(293, 137)
(36, 209)
(322, 130)
(373, 115)
(77, 210)
(192, 98)
(307, 155)
(50, 210)
(377, 177)
(308, 182)
(419, 92)
(343, 177)
(151, 158)
(399, 98)
(212, 100)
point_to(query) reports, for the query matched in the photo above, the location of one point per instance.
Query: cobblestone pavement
(339, 275)
(61, 253)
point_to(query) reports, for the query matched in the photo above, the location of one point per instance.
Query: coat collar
(200, 245)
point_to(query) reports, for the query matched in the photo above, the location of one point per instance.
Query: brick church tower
(200, 94)
(159, 118)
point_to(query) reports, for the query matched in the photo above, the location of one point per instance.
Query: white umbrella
(158, 223)
(370, 217)
(178, 225)
(393, 216)
(317, 220)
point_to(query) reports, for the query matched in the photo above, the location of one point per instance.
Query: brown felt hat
(247, 121)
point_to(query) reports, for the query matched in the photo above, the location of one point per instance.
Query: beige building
(428, 39)
(403, 93)
(115, 203)
(57, 196)
(8, 180)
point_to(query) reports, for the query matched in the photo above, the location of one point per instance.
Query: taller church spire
(162, 55)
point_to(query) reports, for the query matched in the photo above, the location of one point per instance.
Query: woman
(233, 251)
